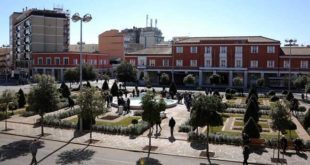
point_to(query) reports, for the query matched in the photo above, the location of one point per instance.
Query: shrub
(274, 98)
(289, 96)
(285, 92)
(227, 90)
(228, 96)
(185, 127)
(13, 105)
(301, 109)
(28, 113)
(271, 93)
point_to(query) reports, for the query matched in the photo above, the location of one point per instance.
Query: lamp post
(290, 43)
(86, 18)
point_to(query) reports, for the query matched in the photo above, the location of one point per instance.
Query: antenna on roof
(151, 22)
(156, 23)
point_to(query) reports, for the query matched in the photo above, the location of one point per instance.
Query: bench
(257, 142)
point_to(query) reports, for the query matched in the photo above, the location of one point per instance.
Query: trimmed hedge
(185, 127)
(214, 138)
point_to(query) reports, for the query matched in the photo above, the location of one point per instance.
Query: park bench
(257, 142)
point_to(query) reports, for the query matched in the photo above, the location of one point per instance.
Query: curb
(131, 150)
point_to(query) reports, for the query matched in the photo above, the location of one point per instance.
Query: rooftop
(226, 38)
(296, 50)
(153, 50)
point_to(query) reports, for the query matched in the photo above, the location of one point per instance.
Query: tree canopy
(126, 73)
(261, 82)
(164, 79)
(237, 81)
(114, 89)
(189, 79)
(301, 81)
(280, 117)
(252, 109)
(21, 98)
(215, 79)
(105, 86)
(71, 76)
(251, 128)
(65, 91)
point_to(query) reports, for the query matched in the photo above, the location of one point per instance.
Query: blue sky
(277, 19)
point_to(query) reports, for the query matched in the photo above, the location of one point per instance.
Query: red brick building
(56, 63)
(246, 57)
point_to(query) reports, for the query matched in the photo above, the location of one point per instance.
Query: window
(286, 64)
(270, 49)
(304, 64)
(270, 64)
(238, 50)
(104, 62)
(179, 62)
(208, 63)
(165, 62)
(75, 61)
(84, 61)
(254, 63)
(95, 62)
(66, 60)
(40, 61)
(254, 49)
(179, 49)
(238, 63)
(57, 61)
(223, 63)
(223, 49)
(193, 49)
(132, 62)
(208, 50)
(152, 62)
(100, 62)
(193, 63)
(48, 61)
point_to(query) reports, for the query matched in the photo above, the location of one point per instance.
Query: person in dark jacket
(246, 154)
(171, 125)
(34, 149)
(283, 143)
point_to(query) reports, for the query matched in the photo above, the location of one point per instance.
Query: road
(14, 150)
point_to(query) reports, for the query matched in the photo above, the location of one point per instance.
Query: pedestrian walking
(245, 139)
(34, 149)
(158, 124)
(128, 105)
(246, 154)
(171, 125)
(283, 143)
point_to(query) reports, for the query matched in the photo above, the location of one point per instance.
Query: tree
(164, 79)
(294, 104)
(106, 77)
(301, 81)
(261, 82)
(215, 79)
(21, 98)
(126, 73)
(114, 89)
(6, 97)
(151, 112)
(71, 76)
(105, 86)
(252, 93)
(92, 104)
(237, 81)
(251, 128)
(189, 80)
(251, 110)
(205, 113)
(289, 96)
(43, 97)
(280, 120)
(88, 72)
(65, 91)
(173, 89)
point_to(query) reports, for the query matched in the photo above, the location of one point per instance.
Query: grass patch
(124, 122)
(238, 124)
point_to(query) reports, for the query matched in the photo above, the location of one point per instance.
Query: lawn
(124, 122)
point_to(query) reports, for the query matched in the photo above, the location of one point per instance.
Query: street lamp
(290, 43)
(86, 18)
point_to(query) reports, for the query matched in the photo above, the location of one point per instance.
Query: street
(14, 150)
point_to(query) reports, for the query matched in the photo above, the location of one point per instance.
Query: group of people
(188, 101)
(125, 103)
(298, 145)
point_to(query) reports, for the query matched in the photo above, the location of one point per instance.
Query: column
(214, 71)
(200, 78)
(62, 74)
(44, 70)
(245, 80)
(261, 74)
(53, 73)
(230, 79)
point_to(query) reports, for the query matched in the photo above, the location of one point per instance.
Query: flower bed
(56, 121)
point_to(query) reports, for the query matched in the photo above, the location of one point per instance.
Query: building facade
(89, 48)
(248, 58)
(56, 64)
(34, 30)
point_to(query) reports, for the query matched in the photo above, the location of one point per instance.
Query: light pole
(86, 18)
(290, 43)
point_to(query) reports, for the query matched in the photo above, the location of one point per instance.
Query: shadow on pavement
(16, 149)
(148, 161)
(75, 156)
(258, 151)
(198, 146)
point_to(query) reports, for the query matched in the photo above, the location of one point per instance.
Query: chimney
(147, 20)
(151, 22)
